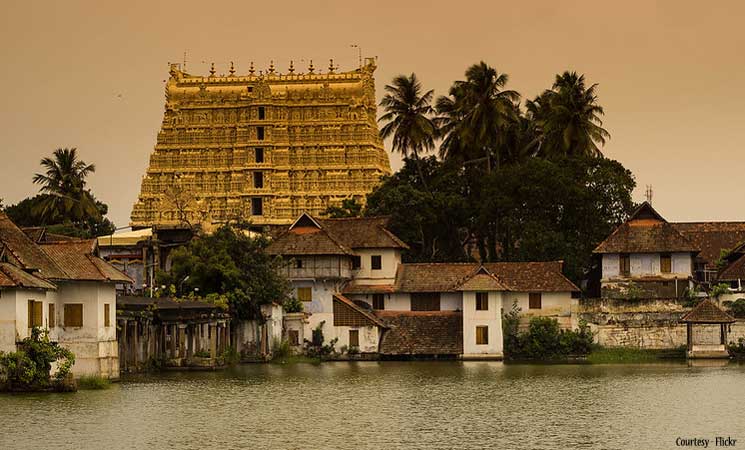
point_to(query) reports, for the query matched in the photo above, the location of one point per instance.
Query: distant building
(349, 275)
(262, 146)
(64, 287)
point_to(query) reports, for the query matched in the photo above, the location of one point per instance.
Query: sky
(670, 74)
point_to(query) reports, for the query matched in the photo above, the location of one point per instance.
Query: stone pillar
(136, 344)
(181, 340)
(213, 340)
(172, 354)
(123, 357)
(190, 341)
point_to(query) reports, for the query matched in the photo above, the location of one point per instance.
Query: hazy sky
(671, 76)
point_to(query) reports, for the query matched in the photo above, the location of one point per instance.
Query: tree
(474, 117)
(231, 266)
(63, 182)
(569, 118)
(26, 214)
(349, 208)
(407, 118)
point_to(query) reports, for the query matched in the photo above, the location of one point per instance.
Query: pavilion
(707, 327)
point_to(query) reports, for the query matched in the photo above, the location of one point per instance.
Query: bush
(29, 368)
(738, 308)
(317, 348)
(281, 349)
(292, 305)
(737, 350)
(93, 382)
(544, 340)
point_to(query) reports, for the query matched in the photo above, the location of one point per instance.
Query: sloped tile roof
(368, 289)
(310, 236)
(14, 277)
(707, 312)
(78, 262)
(422, 333)
(372, 318)
(646, 232)
(712, 237)
(481, 280)
(513, 276)
(23, 252)
(734, 270)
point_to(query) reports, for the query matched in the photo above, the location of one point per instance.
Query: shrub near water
(29, 368)
(93, 382)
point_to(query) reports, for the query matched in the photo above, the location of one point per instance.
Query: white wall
(611, 265)
(491, 318)
(552, 303)
(390, 259)
(14, 315)
(369, 337)
(642, 264)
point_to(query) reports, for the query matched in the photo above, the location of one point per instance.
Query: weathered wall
(491, 318)
(390, 259)
(651, 324)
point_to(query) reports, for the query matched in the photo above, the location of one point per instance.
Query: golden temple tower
(264, 147)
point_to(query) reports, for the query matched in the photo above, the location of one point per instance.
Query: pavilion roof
(707, 312)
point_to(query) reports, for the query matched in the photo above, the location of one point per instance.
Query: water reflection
(419, 405)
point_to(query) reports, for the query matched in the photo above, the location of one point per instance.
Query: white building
(349, 275)
(646, 257)
(63, 287)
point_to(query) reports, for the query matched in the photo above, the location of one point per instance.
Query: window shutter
(106, 315)
(534, 300)
(52, 316)
(73, 315)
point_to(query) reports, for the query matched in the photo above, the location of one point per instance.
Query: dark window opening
(260, 133)
(482, 301)
(666, 263)
(258, 180)
(376, 262)
(534, 300)
(257, 207)
(625, 264)
(259, 154)
(356, 262)
(262, 113)
(379, 301)
(298, 263)
(425, 301)
(354, 338)
(294, 337)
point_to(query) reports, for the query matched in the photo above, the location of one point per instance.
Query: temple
(263, 147)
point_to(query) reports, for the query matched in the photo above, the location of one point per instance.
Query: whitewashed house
(63, 287)
(349, 275)
(646, 257)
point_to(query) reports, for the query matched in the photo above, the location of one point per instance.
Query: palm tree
(473, 118)
(408, 118)
(569, 118)
(63, 182)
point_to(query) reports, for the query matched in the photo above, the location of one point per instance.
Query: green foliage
(737, 350)
(231, 356)
(629, 355)
(721, 262)
(737, 308)
(544, 340)
(93, 382)
(29, 367)
(231, 268)
(292, 305)
(280, 349)
(26, 214)
(349, 208)
(317, 347)
(718, 289)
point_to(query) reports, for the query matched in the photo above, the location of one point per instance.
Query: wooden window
(482, 301)
(666, 263)
(52, 316)
(625, 264)
(482, 335)
(354, 338)
(305, 294)
(298, 263)
(534, 300)
(376, 262)
(259, 155)
(106, 315)
(260, 133)
(356, 262)
(425, 301)
(379, 301)
(262, 113)
(258, 180)
(257, 207)
(294, 337)
(35, 314)
(73, 315)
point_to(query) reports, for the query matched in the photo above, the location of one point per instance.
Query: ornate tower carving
(261, 147)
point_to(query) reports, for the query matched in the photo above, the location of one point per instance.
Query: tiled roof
(734, 271)
(481, 280)
(712, 237)
(422, 333)
(14, 277)
(368, 289)
(310, 236)
(372, 318)
(707, 312)
(513, 276)
(23, 252)
(163, 303)
(78, 262)
(646, 232)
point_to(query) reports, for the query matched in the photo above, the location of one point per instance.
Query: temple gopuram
(263, 147)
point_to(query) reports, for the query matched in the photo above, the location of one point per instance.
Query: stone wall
(650, 324)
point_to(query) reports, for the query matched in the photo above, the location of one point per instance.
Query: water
(389, 405)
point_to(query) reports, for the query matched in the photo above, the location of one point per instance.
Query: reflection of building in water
(264, 147)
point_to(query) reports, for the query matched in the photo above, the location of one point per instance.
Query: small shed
(707, 327)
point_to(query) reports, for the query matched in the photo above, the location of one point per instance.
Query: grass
(93, 382)
(624, 355)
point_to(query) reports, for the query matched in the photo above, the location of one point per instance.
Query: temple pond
(419, 405)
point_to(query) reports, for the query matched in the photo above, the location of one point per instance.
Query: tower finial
(232, 69)
(292, 67)
(648, 193)
(212, 70)
(271, 66)
(310, 67)
(331, 65)
(251, 69)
